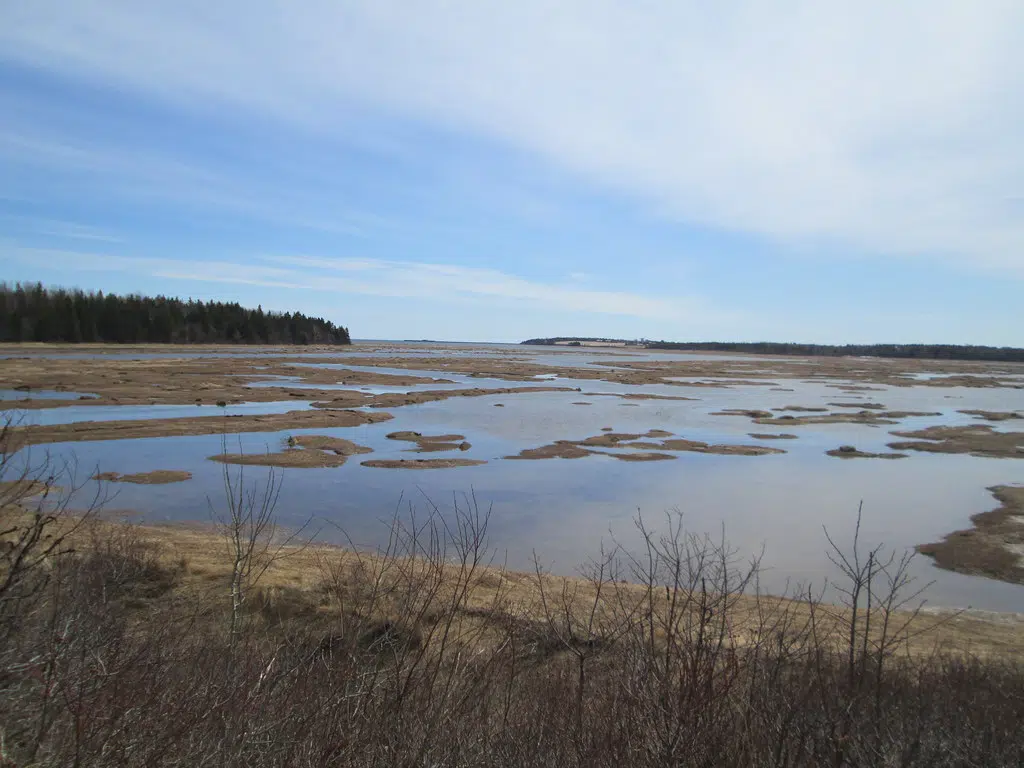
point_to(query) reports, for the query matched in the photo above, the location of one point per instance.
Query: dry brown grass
(235, 644)
(300, 575)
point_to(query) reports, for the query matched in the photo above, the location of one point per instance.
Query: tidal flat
(502, 423)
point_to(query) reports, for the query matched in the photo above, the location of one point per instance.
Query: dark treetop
(35, 313)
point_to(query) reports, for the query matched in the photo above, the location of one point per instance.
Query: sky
(484, 170)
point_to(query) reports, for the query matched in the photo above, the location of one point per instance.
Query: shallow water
(78, 413)
(564, 509)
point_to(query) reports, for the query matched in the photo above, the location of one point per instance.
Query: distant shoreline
(897, 351)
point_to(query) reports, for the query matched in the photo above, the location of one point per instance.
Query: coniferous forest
(36, 313)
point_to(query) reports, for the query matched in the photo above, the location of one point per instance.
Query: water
(79, 413)
(564, 509)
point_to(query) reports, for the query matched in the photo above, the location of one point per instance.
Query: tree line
(40, 314)
(580, 339)
(913, 351)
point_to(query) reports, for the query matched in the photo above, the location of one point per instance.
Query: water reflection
(563, 509)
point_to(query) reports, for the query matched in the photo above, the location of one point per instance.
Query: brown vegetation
(994, 415)
(638, 396)
(211, 380)
(422, 463)
(205, 425)
(861, 417)
(560, 449)
(867, 406)
(183, 381)
(301, 452)
(976, 440)
(290, 458)
(432, 443)
(644, 456)
(577, 449)
(336, 445)
(993, 547)
(851, 452)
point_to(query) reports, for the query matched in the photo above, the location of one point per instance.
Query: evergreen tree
(35, 313)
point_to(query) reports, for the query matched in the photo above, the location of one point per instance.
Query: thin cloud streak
(57, 228)
(441, 281)
(395, 279)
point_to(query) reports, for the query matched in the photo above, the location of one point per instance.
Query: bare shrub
(251, 534)
(36, 527)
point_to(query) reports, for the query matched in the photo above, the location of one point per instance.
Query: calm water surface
(564, 509)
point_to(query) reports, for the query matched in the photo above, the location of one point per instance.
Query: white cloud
(56, 228)
(449, 282)
(890, 128)
(444, 283)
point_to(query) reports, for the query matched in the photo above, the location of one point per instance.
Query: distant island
(33, 313)
(914, 351)
(581, 341)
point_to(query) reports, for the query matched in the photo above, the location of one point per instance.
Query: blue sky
(467, 169)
